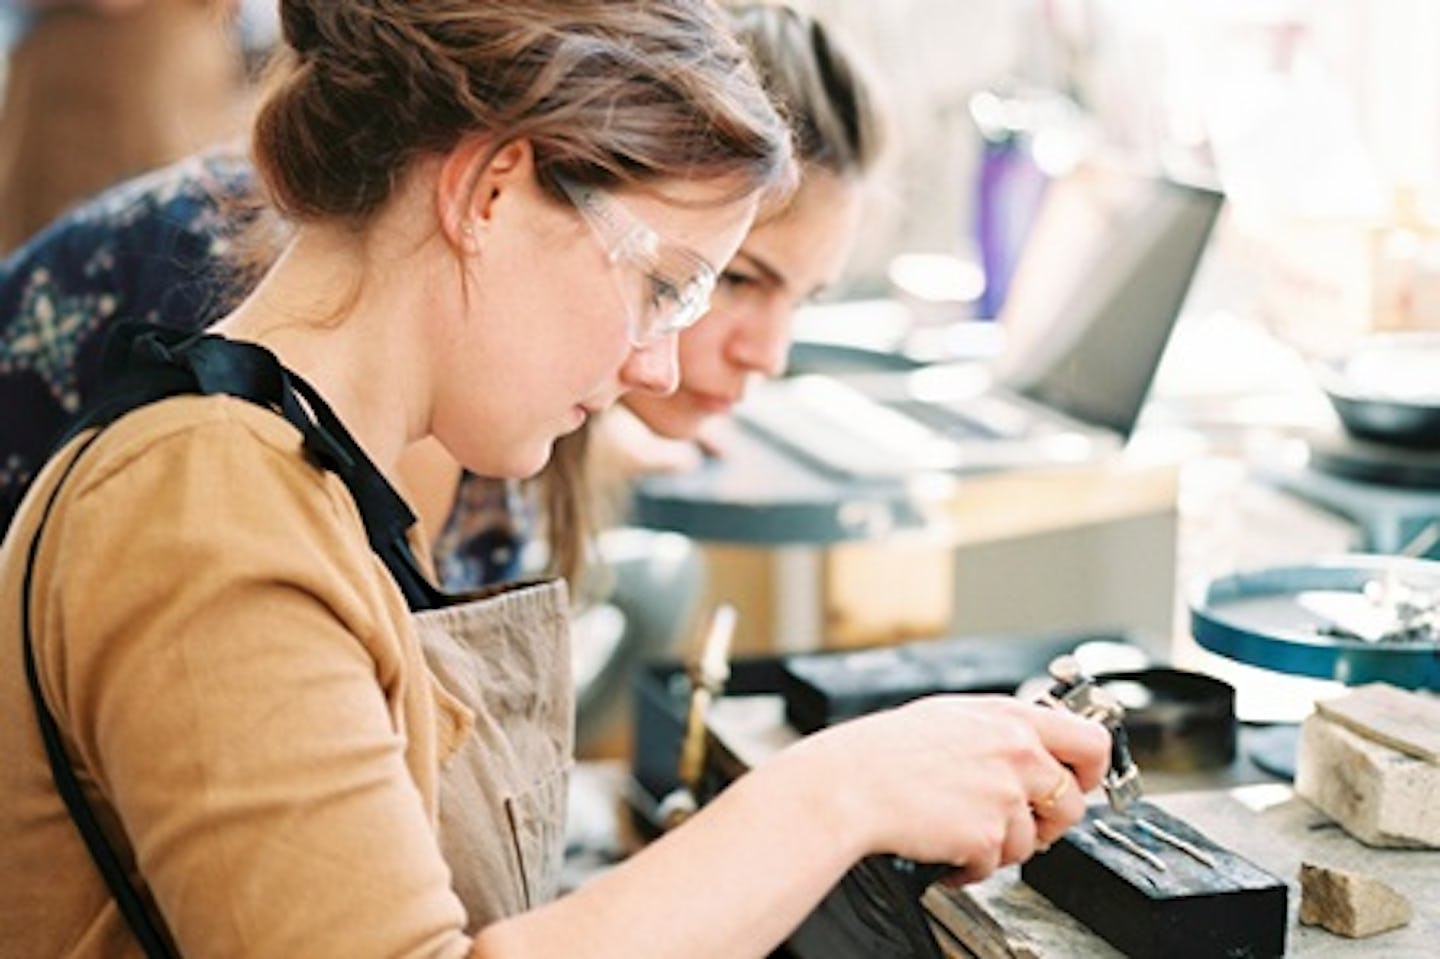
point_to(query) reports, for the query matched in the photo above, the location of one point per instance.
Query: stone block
(1403, 719)
(1380, 795)
(1182, 908)
(1348, 903)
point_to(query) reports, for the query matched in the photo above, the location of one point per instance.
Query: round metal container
(1272, 618)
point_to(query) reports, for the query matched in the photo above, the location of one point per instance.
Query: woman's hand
(625, 448)
(975, 781)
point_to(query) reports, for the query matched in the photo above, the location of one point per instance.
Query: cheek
(702, 346)
(596, 313)
(581, 329)
(694, 351)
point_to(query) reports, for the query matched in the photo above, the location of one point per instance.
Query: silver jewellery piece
(1396, 612)
(1165, 836)
(1129, 845)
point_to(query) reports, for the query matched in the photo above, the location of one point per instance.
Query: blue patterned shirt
(155, 249)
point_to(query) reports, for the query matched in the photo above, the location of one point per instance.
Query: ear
(470, 183)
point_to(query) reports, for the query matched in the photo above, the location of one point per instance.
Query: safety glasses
(677, 284)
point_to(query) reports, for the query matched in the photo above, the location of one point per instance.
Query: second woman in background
(793, 253)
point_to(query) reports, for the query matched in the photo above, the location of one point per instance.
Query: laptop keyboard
(843, 430)
(947, 422)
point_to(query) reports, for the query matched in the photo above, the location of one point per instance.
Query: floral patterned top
(156, 249)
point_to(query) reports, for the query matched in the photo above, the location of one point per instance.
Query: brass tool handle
(708, 672)
(692, 747)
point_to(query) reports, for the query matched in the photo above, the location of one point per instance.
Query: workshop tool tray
(1295, 619)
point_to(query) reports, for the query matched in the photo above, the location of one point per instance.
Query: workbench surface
(1276, 830)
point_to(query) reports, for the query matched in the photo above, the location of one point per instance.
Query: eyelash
(730, 278)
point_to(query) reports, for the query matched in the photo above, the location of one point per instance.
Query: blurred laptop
(1100, 284)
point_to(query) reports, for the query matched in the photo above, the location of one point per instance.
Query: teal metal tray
(1282, 618)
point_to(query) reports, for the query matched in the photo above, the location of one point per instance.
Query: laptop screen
(1098, 289)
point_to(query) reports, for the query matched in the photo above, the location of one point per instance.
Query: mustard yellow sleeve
(221, 645)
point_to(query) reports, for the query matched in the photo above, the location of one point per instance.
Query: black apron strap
(132, 906)
(144, 364)
(387, 518)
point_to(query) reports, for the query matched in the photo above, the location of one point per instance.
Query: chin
(514, 458)
(521, 465)
(532, 466)
(669, 419)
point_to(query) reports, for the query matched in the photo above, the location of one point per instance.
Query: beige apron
(505, 656)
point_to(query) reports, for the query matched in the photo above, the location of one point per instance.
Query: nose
(653, 368)
(762, 343)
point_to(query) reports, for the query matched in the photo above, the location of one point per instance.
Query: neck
(333, 311)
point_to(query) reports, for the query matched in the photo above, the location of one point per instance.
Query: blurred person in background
(97, 91)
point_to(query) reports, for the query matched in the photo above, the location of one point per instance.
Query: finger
(1020, 836)
(715, 441)
(1081, 744)
(1059, 809)
(979, 866)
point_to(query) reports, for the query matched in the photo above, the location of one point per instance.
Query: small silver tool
(1078, 692)
(1165, 836)
(1129, 845)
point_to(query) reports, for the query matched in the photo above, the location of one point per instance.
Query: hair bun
(300, 25)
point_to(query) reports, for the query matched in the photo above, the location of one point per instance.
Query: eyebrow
(771, 273)
(774, 275)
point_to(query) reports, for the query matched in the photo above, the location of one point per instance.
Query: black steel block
(1188, 910)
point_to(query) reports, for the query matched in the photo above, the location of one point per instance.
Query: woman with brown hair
(243, 701)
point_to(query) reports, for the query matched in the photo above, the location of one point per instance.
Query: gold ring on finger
(1053, 796)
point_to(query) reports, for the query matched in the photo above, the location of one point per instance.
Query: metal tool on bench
(1078, 692)
(708, 673)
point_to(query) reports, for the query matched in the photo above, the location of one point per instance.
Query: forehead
(808, 240)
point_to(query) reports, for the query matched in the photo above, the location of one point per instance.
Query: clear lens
(672, 306)
(677, 283)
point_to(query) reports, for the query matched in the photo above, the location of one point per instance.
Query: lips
(712, 403)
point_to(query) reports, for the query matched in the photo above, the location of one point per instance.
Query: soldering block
(1188, 910)
(1381, 795)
